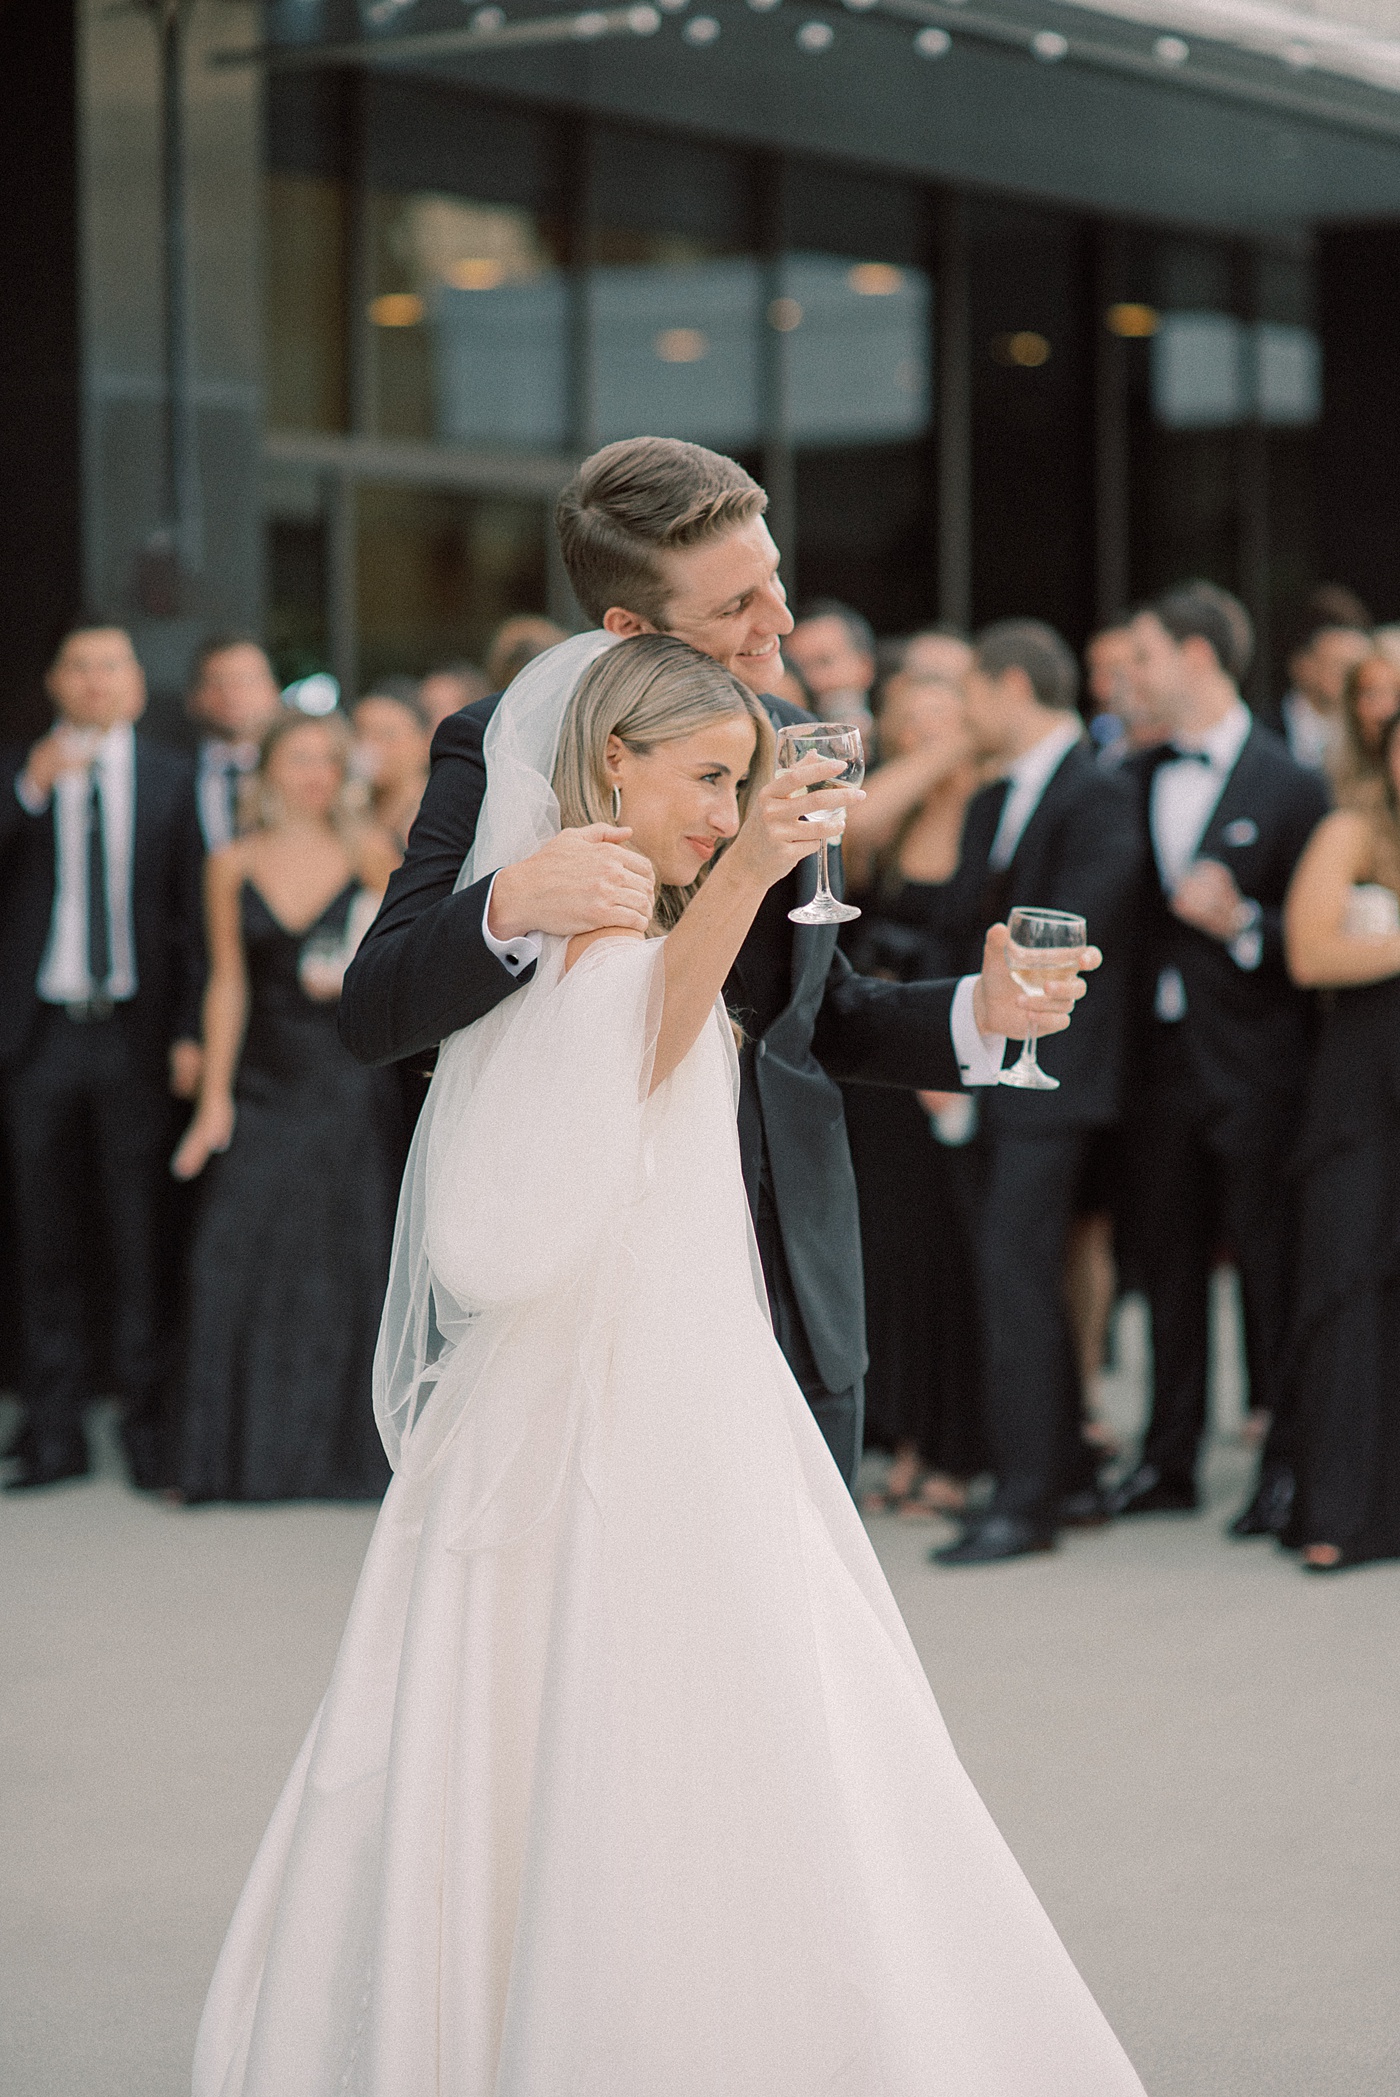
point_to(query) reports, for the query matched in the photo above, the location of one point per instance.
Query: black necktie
(99, 922)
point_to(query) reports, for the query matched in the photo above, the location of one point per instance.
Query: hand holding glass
(833, 739)
(1043, 949)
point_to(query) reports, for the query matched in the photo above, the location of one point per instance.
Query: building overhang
(1276, 124)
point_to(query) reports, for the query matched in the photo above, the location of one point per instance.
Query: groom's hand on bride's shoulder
(1000, 1006)
(580, 881)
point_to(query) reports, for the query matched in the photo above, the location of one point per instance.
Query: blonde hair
(259, 807)
(647, 691)
(638, 498)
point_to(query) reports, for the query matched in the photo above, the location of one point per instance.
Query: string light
(814, 37)
(487, 19)
(643, 21)
(1172, 50)
(1049, 46)
(933, 43)
(703, 30)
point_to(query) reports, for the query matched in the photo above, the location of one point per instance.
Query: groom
(660, 536)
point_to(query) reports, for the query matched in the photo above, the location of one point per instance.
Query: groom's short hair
(636, 499)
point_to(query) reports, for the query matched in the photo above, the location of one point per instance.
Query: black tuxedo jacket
(166, 903)
(1247, 1032)
(1082, 850)
(424, 970)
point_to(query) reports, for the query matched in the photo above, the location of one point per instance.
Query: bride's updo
(649, 690)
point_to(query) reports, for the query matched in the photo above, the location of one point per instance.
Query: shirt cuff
(1246, 949)
(514, 955)
(32, 803)
(979, 1055)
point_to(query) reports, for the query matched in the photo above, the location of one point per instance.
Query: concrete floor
(1193, 1749)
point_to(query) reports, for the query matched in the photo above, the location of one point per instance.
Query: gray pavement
(1193, 1748)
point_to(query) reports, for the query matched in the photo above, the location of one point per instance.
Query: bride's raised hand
(774, 838)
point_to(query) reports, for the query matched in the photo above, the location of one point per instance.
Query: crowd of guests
(202, 1181)
(1226, 1089)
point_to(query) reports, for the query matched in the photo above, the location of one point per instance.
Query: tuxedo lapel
(1236, 821)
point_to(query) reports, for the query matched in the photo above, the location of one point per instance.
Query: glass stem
(1030, 1052)
(823, 877)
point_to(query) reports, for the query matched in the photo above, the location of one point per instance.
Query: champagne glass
(824, 739)
(1041, 952)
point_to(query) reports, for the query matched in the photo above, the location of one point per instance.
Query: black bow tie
(1173, 754)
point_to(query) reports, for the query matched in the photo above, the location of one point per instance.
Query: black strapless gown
(917, 1198)
(291, 1253)
(1345, 1357)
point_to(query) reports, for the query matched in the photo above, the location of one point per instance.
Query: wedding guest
(914, 1172)
(517, 642)
(233, 698)
(1060, 832)
(1342, 934)
(101, 970)
(446, 691)
(832, 649)
(1108, 656)
(1219, 1067)
(392, 740)
(289, 1264)
(1370, 702)
(1331, 634)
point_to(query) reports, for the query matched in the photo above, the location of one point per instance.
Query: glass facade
(463, 297)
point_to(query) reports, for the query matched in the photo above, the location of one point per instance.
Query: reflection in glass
(295, 567)
(469, 323)
(856, 341)
(1211, 371)
(675, 342)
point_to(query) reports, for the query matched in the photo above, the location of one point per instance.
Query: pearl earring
(617, 804)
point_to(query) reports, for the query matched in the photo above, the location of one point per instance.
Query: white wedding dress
(628, 1782)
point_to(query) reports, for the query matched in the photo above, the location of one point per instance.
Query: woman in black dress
(291, 1252)
(914, 1176)
(1342, 927)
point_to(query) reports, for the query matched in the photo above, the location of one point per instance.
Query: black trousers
(1031, 1388)
(1188, 1197)
(839, 1414)
(87, 1116)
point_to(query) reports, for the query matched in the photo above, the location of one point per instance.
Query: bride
(628, 1782)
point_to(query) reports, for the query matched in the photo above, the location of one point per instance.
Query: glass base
(824, 910)
(1029, 1077)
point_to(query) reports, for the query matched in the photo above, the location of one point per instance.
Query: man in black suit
(663, 536)
(1061, 832)
(1221, 1056)
(101, 974)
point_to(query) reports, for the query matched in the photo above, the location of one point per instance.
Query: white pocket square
(1243, 831)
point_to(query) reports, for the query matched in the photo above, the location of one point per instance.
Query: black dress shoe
(1268, 1513)
(1086, 1509)
(1146, 1491)
(144, 1448)
(993, 1538)
(50, 1464)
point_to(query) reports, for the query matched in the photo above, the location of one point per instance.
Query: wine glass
(824, 739)
(1041, 952)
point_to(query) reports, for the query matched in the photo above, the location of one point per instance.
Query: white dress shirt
(1028, 779)
(221, 767)
(1312, 737)
(1185, 795)
(63, 973)
(979, 1055)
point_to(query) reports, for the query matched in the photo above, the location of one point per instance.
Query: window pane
(304, 294)
(856, 338)
(469, 319)
(675, 343)
(438, 571)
